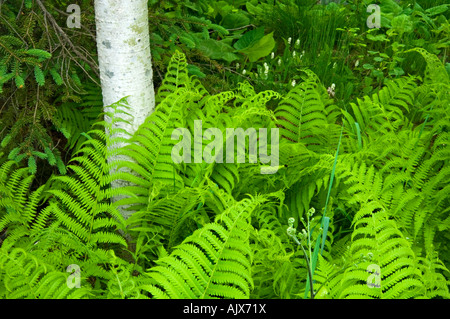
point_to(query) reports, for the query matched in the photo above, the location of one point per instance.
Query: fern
(217, 230)
(82, 202)
(214, 262)
(23, 276)
(435, 282)
(377, 241)
(18, 205)
(304, 109)
(166, 221)
(278, 270)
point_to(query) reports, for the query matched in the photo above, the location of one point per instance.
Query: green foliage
(214, 262)
(218, 230)
(23, 276)
(38, 73)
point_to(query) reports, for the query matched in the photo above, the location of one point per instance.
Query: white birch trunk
(124, 56)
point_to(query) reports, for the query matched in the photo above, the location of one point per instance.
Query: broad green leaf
(253, 10)
(217, 50)
(261, 48)
(249, 39)
(235, 20)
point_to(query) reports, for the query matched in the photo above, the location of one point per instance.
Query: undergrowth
(363, 189)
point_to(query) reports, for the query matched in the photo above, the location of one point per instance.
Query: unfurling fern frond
(434, 73)
(278, 270)
(214, 262)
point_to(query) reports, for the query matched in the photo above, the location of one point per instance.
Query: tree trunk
(124, 56)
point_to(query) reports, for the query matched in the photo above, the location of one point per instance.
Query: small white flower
(330, 90)
(293, 82)
(294, 53)
(279, 62)
(272, 55)
(303, 52)
(289, 40)
(244, 71)
(237, 65)
(297, 43)
(356, 63)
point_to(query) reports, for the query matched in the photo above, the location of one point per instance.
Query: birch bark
(124, 58)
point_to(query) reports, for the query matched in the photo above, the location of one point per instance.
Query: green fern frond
(24, 276)
(176, 77)
(397, 95)
(327, 277)
(300, 110)
(81, 202)
(435, 72)
(433, 269)
(151, 149)
(214, 262)
(384, 264)
(167, 218)
(18, 206)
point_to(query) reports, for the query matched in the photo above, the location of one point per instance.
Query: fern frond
(302, 110)
(24, 276)
(81, 202)
(384, 262)
(168, 217)
(176, 77)
(214, 262)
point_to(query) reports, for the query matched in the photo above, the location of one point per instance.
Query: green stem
(311, 287)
